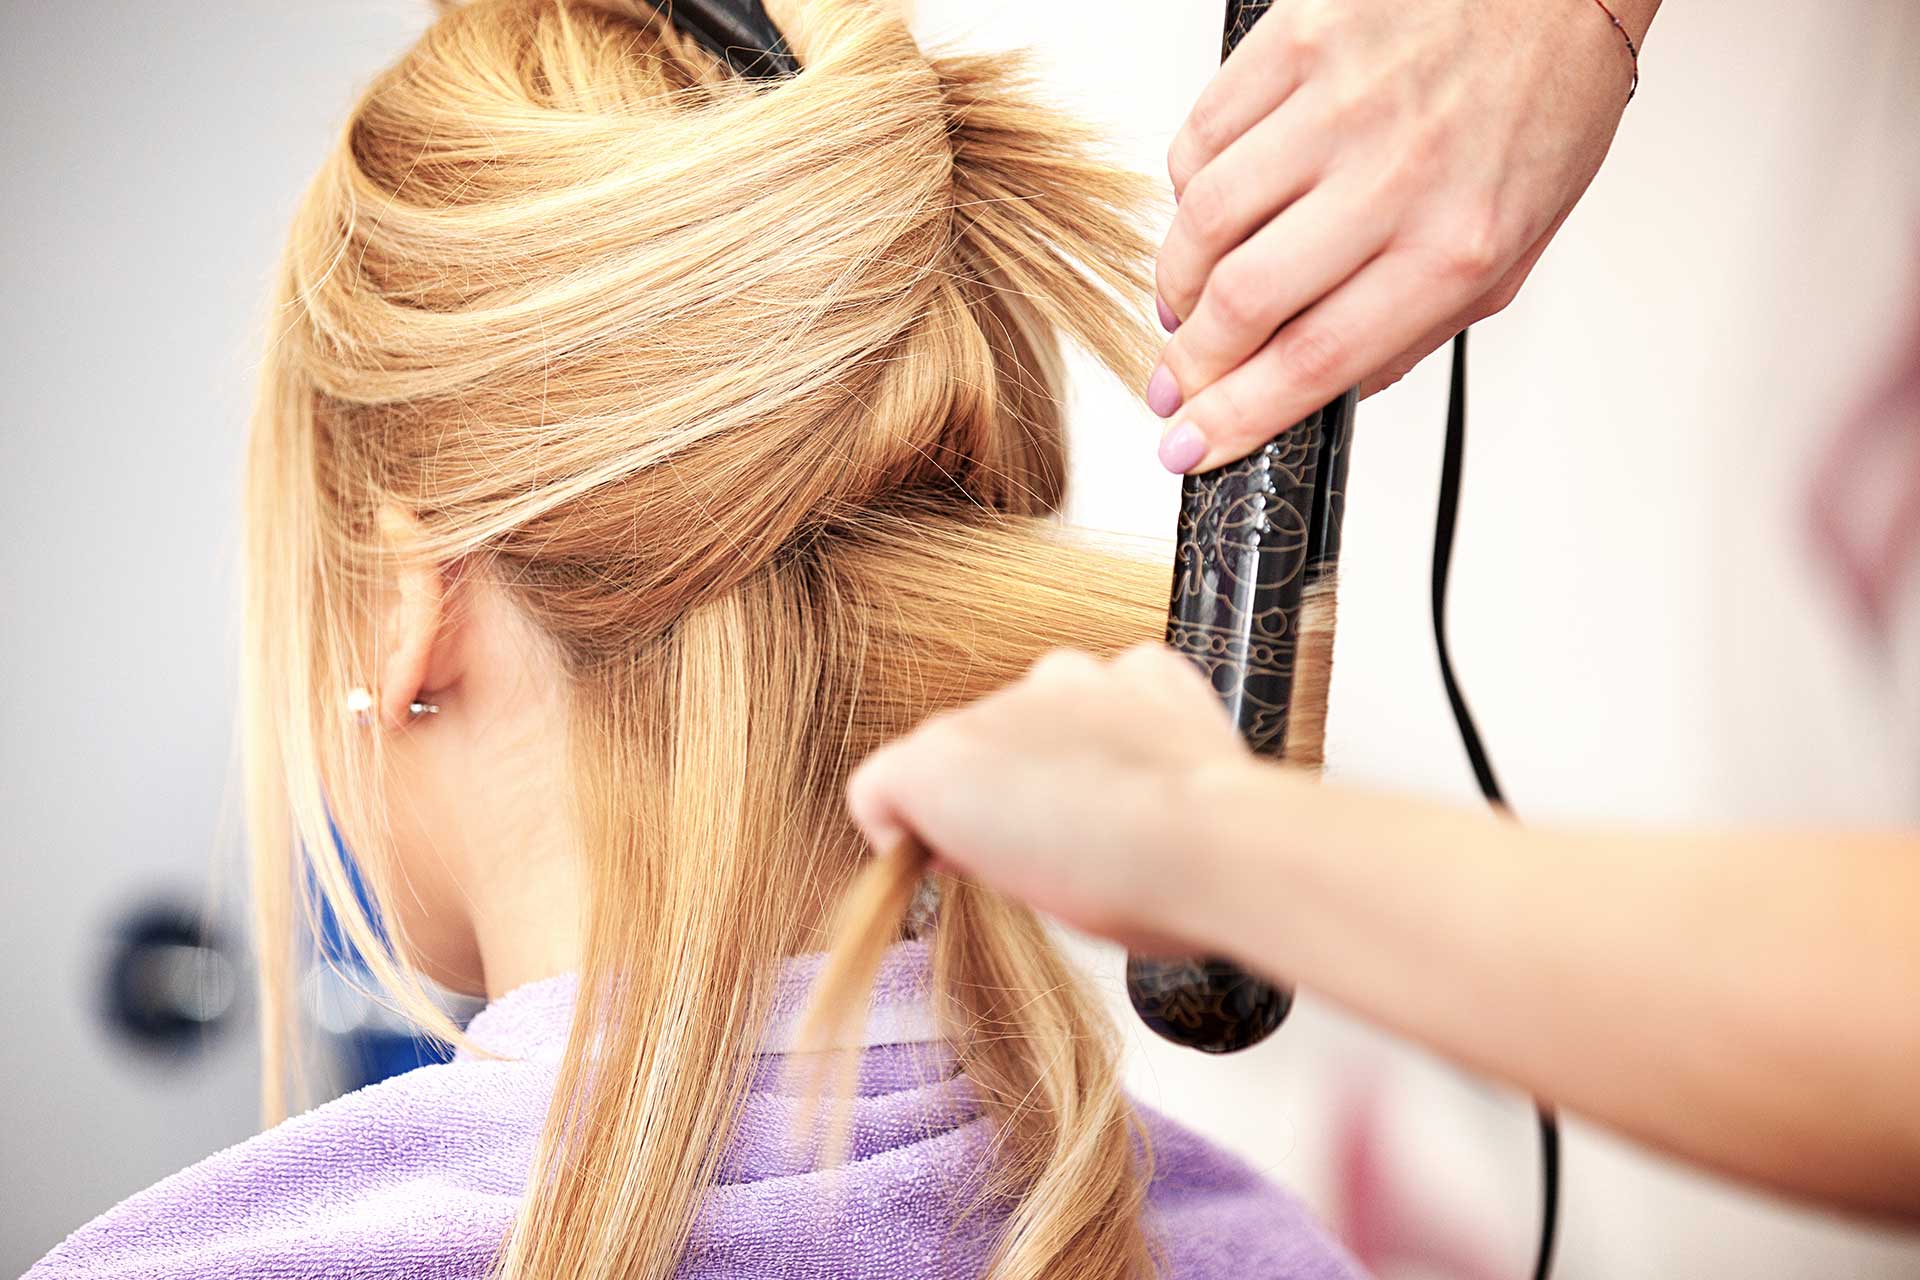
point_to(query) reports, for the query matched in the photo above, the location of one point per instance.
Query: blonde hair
(749, 396)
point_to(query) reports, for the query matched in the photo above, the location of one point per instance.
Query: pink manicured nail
(1163, 393)
(1168, 320)
(1182, 448)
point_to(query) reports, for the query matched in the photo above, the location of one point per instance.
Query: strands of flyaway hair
(826, 1052)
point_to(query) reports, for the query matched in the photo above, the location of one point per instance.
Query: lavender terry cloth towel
(421, 1176)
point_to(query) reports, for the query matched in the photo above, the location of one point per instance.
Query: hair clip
(737, 31)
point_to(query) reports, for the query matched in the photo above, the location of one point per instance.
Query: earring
(360, 705)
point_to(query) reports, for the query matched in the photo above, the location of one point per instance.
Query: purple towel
(420, 1176)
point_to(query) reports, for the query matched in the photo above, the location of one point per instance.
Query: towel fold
(420, 1177)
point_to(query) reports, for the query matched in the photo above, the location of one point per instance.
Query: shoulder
(1214, 1217)
(418, 1176)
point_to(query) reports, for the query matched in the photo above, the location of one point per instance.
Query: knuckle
(939, 743)
(1314, 355)
(1356, 107)
(1414, 173)
(1206, 128)
(1062, 667)
(1424, 141)
(1311, 28)
(1322, 112)
(1155, 663)
(1142, 656)
(1230, 420)
(1238, 294)
(1207, 209)
(1182, 672)
(935, 733)
(1471, 259)
(1399, 183)
(1471, 251)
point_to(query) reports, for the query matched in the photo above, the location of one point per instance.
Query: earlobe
(412, 616)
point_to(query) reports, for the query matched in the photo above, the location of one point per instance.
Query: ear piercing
(360, 705)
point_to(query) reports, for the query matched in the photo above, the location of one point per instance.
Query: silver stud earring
(360, 705)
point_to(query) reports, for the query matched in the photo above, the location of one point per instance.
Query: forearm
(1751, 1003)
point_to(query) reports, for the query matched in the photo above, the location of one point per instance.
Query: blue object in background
(371, 1043)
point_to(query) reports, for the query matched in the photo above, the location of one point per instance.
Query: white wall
(150, 157)
(1634, 618)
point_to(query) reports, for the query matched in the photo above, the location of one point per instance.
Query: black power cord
(1447, 515)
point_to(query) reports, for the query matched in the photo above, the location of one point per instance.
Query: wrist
(1221, 811)
(1621, 25)
(1636, 16)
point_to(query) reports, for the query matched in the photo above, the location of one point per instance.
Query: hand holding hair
(1361, 181)
(1074, 789)
(1742, 1000)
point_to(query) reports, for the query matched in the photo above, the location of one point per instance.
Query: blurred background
(1639, 616)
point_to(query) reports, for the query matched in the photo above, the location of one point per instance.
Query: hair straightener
(738, 32)
(1257, 546)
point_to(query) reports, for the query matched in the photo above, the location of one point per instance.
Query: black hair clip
(738, 31)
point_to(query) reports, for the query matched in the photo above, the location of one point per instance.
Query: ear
(416, 652)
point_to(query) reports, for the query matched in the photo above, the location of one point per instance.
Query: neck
(528, 922)
(502, 855)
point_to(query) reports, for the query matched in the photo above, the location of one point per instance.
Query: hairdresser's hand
(1361, 181)
(1081, 790)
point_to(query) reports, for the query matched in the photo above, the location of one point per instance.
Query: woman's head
(681, 438)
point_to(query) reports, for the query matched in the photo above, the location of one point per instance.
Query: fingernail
(1168, 320)
(1163, 393)
(1182, 448)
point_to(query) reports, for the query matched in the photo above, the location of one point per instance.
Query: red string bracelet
(1633, 50)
